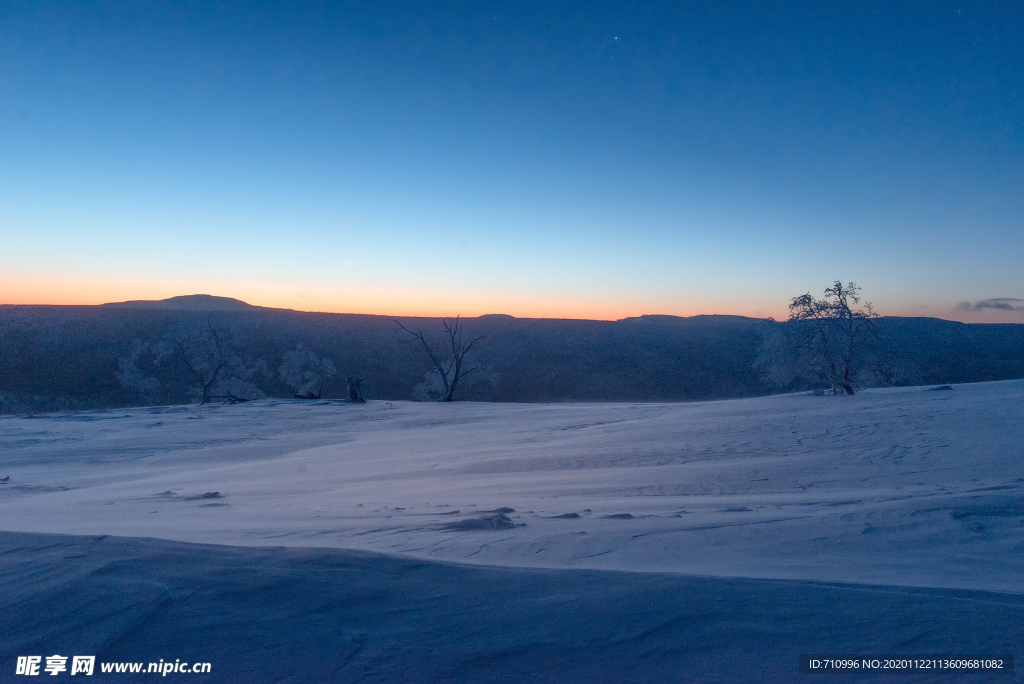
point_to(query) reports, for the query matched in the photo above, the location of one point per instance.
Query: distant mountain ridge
(73, 357)
(195, 302)
(205, 302)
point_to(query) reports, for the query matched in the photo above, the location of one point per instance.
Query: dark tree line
(213, 361)
(71, 358)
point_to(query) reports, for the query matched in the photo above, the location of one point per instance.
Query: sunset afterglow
(590, 163)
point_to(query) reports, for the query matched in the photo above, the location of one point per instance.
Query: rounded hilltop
(195, 302)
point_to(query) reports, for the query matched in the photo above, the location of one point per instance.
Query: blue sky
(589, 159)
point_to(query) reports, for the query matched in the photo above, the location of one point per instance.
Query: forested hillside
(68, 357)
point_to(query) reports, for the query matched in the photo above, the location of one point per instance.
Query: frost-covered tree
(205, 358)
(137, 371)
(306, 372)
(778, 362)
(831, 340)
(215, 360)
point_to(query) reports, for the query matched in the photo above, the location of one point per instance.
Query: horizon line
(142, 304)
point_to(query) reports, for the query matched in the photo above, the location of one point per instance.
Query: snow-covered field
(918, 490)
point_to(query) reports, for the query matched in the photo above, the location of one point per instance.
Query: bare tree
(837, 330)
(449, 365)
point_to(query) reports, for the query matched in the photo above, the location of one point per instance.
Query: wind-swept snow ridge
(330, 615)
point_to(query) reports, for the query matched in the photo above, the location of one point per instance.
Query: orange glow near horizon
(364, 300)
(396, 301)
(546, 309)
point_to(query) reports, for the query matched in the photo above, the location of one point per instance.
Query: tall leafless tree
(449, 363)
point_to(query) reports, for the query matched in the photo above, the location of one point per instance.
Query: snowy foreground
(752, 530)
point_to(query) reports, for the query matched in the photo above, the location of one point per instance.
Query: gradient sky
(576, 160)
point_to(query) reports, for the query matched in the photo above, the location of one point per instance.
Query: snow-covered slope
(260, 614)
(895, 486)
